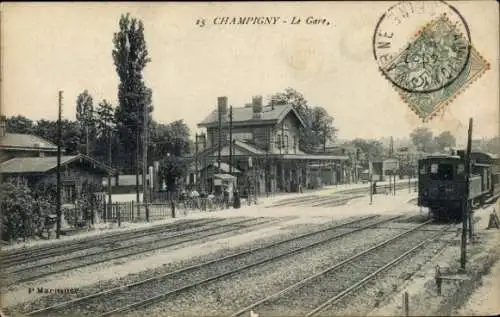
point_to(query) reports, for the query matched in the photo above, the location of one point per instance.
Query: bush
(22, 215)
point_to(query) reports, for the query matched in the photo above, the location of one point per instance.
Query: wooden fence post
(438, 279)
(118, 214)
(406, 305)
(132, 215)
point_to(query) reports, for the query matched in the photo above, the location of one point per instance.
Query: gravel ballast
(228, 295)
(131, 250)
(481, 255)
(368, 296)
(280, 234)
(113, 243)
(302, 300)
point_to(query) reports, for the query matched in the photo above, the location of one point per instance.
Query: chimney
(257, 106)
(222, 105)
(2, 126)
(272, 103)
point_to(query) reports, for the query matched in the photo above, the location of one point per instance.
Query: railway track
(118, 300)
(317, 201)
(319, 291)
(19, 257)
(490, 201)
(334, 199)
(336, 202)
(29, 273)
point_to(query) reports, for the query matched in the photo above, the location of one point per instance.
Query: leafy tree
(294, 98)
(19, 124)
(85, 119)
(422, 139)
(130, 57)
(169, 143)
(370, 150)
(105, 131)
(172, 168)
(169, 139)
(319, 124)
(105, 116)
(445, 139)
(22, 215)
(47, 129)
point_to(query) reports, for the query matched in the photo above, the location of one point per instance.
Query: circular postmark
(422, 46)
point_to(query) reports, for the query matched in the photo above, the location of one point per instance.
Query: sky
(50, 47)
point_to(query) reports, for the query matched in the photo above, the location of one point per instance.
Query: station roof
(26, 142)
(19, 165)
(270, 114)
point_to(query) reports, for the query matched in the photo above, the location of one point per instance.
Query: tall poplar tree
(130, 56)
(85, 119)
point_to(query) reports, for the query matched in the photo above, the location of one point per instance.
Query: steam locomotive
(442, 183)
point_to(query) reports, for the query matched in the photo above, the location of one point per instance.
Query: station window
(434, 168)
(423, 170)
(443, 172)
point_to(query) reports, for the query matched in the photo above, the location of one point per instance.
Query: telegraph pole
(370, 166)
(409, 174)
(220, 137)
(324, 139)
(465, 201)
(196, 159)
(137, 158)
(145, 160)
(202, 177)
(110, 203)
(231, 140)
(59, 140)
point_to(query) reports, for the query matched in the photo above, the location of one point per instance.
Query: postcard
(325, 158)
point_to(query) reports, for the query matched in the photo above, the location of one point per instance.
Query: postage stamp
(424, 49)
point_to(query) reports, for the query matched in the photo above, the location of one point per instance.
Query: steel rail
(354, 191)
(327, 270)
(316, 199)
(370, 276)
(182, 234)
(25, 250)
(339, 200)
(200, 265)
(26, 256)
(30, 278)
(238, 270)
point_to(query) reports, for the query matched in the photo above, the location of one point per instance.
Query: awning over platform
(314, 157)
(224, 176)
(224, 167)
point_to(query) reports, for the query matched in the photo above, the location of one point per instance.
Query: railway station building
(30, 160)
(265, 150)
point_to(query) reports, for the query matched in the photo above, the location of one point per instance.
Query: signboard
(390, 165)
(217, 182)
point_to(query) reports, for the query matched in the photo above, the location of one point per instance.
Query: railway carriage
(442, 182)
